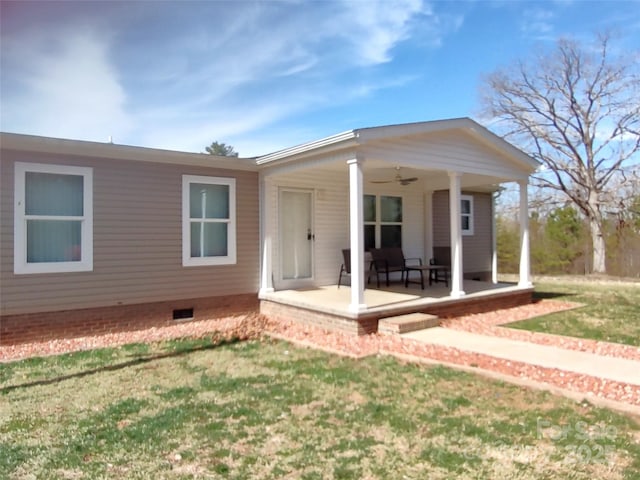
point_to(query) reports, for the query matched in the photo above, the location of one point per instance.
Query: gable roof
(364, 136)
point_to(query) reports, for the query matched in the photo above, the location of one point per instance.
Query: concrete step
(407, 323)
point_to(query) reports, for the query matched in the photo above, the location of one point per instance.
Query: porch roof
(416, 145)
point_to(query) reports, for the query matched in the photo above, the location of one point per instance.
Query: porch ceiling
(428, 179)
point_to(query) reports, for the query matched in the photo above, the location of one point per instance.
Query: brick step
(407, 323)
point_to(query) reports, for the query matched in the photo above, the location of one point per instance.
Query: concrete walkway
(609, 368)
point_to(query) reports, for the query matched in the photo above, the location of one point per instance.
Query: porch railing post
(525, 265)
(356, 234)
(456, 235)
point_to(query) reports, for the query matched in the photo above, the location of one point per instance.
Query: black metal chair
(388, 260)
(441, 274)
(345, 268)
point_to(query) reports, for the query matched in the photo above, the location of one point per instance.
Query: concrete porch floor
(392, 300)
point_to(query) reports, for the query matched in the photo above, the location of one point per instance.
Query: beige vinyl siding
(137, 240)
(331, 218)
(442, 150)
(476, 248)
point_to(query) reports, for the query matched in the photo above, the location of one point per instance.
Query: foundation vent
(183, 314)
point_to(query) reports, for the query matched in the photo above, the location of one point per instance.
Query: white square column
(356, 235)
(525, 265)
(266, 269)
(494, 241)
(456, 235)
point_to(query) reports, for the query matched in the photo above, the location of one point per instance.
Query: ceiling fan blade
(412, 179)
(380, 181)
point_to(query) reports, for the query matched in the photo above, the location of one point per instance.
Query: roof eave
(340, 140)
(33, 143)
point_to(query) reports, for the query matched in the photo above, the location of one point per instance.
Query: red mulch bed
(252, 326)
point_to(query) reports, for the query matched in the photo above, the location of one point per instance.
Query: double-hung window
(466, 214)
(208, 220)
(53, 216)
(382, 221)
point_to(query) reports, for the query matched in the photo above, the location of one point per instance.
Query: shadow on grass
(120, 366)
(538, 296)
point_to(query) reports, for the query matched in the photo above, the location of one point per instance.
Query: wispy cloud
(166, 75)
(66, 88)
(537, 23)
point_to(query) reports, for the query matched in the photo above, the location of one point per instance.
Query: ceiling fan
(398, 179)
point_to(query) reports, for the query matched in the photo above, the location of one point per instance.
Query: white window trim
(230, 258)
(468, 231)
(20, 264)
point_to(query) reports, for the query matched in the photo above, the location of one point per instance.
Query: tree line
(561, 242)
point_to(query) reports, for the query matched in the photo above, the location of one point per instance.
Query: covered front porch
(427, 188)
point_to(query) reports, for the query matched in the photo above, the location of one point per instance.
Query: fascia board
(500, 144)
(334, 142)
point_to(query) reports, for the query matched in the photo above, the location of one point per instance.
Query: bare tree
(576, 109)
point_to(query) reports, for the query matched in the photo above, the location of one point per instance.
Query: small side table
(432, 271)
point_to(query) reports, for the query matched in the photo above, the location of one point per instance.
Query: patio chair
(345, 268)
(440, 273)
(388, 260)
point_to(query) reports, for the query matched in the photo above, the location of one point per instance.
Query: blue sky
(267, 75)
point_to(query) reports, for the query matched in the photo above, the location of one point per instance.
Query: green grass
(192, 409)
(611, 311)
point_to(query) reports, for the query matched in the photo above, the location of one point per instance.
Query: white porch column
(525, 266)
(266, 273)
(456, 235)
(356, 235)
(494, 241)
(428, 225)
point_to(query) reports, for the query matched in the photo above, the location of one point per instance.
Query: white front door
(296, 234)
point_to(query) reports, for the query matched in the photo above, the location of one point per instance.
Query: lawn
(266, 409)
(611, 310)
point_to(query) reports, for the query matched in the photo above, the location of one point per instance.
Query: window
(208, 220)
(53, 216)
(382, 221)
(466, 214)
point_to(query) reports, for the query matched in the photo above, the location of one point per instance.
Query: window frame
(467, 231)
(231, 257)
(378, 223)
(21, 264)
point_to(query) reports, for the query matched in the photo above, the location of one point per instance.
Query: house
(98, 237)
